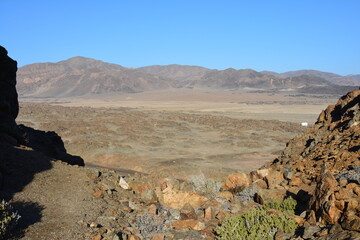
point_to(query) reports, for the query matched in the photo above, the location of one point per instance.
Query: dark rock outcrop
(49, 143)
(9, 106)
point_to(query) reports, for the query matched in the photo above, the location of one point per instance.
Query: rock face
(49, 143)
(9, 106)
(336, 201)
(324, 162)
(333, 142)
(320, 168)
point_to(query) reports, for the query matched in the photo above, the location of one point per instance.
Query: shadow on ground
(20, 164)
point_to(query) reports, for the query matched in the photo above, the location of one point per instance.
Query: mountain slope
(80, 76)
(352, 80)
(182, 75)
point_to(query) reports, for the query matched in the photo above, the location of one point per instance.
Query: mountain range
(79, 76)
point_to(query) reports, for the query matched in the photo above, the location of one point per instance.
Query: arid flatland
(180, 133)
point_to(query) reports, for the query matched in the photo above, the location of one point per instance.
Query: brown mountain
(80, 76)
(231, 78)
(181, 75)
(349, 80)
(185, 76)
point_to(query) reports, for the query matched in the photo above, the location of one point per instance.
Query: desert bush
(247, 194)
(8, 218)
(288, 205)
(258, 223)
(149, 224)
(201, 184)
(352, 175)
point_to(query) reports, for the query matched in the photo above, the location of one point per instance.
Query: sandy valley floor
(181, 133)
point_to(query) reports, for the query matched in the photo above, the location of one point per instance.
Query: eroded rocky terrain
(319, 169)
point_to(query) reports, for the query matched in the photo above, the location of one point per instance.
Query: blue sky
(263, 35)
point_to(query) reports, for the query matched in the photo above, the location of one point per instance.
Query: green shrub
(288, 205)
(8, 218)
(258, 223)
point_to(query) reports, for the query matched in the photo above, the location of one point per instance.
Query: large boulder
(9, 106)
(337, 200)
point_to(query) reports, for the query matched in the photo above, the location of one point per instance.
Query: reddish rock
(208, 233)
(237, 180)
(343, 193)
(324, 202)
(158, 236)
(296, 181)
(133, 237)
(224, 196)
(176, 200)
(258, 174)
(98, 194)
(274, 178)
(299, 220)
(188, 224)
(140, 187)
(152, 209)
(340, 204)
(352, 224)
(260, 184)
(187, 212)
(209, 213)
(170, 183)
(352, 204)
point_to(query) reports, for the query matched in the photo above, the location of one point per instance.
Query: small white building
(304, 124)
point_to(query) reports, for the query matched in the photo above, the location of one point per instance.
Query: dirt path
(63, 195)
(53, 198)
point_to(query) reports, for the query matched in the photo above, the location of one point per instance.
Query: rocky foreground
(59, 199)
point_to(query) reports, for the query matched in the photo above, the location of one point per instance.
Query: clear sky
(278, 35)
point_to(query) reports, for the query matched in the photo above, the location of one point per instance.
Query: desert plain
(179, 132)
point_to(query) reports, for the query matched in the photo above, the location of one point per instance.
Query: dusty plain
(181, 133)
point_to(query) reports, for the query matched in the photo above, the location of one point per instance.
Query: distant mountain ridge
(80, 76)
(332, 77)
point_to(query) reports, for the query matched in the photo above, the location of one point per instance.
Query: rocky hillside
(320, 169)
(80, 76)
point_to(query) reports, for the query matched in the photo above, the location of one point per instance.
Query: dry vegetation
(180, 133)
(175, 143)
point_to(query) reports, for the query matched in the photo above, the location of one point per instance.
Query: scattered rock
(310, 231)
(236, 180)
(188, 224)
(178, 200)
(124, 184)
